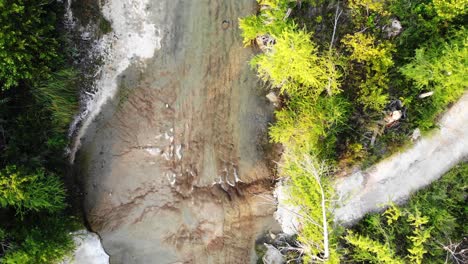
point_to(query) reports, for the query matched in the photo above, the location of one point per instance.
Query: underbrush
(355, 87)
(38, 100)
(373, 71)
(429, 228)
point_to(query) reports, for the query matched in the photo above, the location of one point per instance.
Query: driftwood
(424, 95)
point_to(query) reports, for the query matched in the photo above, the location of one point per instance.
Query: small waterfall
(133, 39)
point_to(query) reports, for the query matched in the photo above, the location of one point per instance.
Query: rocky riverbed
(172, 158)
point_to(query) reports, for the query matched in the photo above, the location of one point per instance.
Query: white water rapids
(132, 40)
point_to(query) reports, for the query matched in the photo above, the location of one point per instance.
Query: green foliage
(310, 126)
(38, 99)
(294, 66)
(364, 49)
(371, 5)
(419, 237)
(417, 232)
(366, 249)
(307, 126)
(393, 213)
(27, 42)
(366, 14)
(449, 9)
(374, 59)
(59, 95)
(422, 26)
(30, 192)
(309, 188)
(441, 69)
(46, 240)
(337, 91)
(252, 27)
(270, 21)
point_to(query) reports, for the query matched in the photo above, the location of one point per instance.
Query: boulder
(273, 98)
(394, 29)
(393, 117)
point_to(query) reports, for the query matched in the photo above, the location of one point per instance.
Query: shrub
(311, 126)
(364, 248)
(59, 95)
(252, 27)
(294, 65)
(441, 69)
(418, 231)
(367, 249)
(38, 98)
(376, 60)
(449, 9)
(30, 191)
(365, 49)
(270, 21)
(311, 191)
(46, 240)
(27, 43)
(372, 5)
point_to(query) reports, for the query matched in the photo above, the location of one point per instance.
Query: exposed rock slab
(173, 168)
(395, 178)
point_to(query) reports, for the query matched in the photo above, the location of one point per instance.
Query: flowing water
(134, 37)
(172, 145)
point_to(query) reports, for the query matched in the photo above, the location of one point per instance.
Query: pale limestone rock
(273, 255)
(273, 98)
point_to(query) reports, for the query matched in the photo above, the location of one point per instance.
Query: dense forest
(356, 80)
(38, 99)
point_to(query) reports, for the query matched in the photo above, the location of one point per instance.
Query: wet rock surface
(173, 168)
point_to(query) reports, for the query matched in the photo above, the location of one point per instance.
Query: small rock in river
(225, 25)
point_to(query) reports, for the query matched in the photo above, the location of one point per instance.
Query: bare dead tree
(316, 171)
(338, 13)
(455, 251)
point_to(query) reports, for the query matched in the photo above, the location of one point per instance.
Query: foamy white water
(133, 39)
(88, 249)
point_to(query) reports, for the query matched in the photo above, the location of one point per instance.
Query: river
(172, 151)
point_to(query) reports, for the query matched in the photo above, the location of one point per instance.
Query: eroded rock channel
(173, 168)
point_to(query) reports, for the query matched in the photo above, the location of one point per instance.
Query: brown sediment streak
(182, 154)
